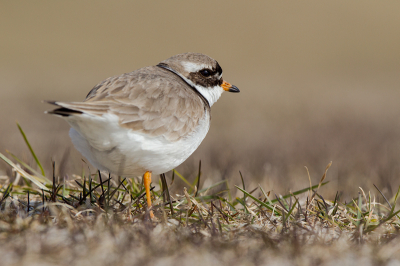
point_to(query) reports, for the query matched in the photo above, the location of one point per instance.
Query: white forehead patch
(194, 67)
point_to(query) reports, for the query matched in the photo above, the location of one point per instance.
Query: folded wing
(149, 100)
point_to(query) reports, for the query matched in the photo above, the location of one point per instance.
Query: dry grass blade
(322, 179)
(187, 197)
(359, 210)
(23, 173)
(309, 179)
(324, 175)
(390, 205)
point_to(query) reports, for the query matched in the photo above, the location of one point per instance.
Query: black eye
(205, 72)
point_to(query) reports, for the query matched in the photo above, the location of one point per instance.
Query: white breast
(125, 152)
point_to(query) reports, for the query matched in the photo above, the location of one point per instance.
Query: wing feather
(149, 100)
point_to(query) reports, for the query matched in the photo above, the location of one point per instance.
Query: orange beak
(228, 87)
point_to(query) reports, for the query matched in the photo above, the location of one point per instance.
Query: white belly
(124, 152)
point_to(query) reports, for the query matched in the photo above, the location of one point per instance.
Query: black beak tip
(234, 89)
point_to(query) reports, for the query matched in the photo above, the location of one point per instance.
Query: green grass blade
(288, 195)
(255, 199)
(30, 148)
(265, 194)
(212, 186)
(301, 191)
(194, 184)
(397, 194)
(243, 204)
(183, 179)
(372, 228)
(391, 216)
(244, 187)
(290, 211)
(275, 200)
(394, 202)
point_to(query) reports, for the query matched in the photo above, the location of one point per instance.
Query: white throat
(211, 94)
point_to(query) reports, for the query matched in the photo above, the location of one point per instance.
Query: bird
(149, 121)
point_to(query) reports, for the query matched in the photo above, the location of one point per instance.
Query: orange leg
(147, 183)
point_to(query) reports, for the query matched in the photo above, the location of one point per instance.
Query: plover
(149, 120)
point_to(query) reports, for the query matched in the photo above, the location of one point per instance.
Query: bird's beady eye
(205, 72)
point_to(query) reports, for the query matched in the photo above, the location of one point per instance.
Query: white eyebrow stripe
(193, 67)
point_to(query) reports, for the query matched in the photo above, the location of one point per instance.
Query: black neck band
(190, 85)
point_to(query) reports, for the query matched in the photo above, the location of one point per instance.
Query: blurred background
(319, 82)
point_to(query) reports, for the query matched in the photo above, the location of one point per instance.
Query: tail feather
(62, 111)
